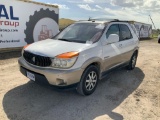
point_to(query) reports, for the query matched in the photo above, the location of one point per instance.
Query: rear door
(126, 42)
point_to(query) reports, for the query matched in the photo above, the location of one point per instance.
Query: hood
(52, 48)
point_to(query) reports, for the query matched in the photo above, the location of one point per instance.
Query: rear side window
(133, 28)
(125, 32)
(113, 29)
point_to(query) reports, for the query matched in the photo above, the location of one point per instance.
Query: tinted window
(114, 29)
(125, 32)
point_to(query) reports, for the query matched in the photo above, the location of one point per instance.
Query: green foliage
(65, 22)
(155, 33)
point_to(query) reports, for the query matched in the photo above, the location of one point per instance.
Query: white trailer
(144, 30)
(24, 22)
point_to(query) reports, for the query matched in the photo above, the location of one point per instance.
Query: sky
(137, 10)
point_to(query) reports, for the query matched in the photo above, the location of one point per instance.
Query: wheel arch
(93, 61)
(136, 52)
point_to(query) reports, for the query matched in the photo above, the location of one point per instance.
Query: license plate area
(31, 76)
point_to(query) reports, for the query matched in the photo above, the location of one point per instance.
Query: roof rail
(102, 19)
(107, 20)
(126, 21)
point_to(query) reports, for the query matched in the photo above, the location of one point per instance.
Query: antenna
(89, 18)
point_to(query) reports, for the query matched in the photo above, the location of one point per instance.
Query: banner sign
(23, 23)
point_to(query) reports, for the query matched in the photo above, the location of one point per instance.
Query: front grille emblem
(37, 59)
(34, 59)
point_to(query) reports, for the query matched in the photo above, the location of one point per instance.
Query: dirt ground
(129, 95)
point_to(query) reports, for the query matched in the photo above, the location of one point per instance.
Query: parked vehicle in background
(159, 38)
(144, 30)
(81, 55)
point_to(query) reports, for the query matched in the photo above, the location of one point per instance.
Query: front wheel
(89, 81)
(132, 62)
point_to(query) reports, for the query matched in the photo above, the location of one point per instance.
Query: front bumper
(57, 78)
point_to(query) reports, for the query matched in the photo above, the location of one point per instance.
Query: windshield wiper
(63, 39)
(78, 41)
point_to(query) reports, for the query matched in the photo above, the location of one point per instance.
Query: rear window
(134, 29)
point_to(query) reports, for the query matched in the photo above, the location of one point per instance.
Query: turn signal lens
(26, 46)
(68, 55)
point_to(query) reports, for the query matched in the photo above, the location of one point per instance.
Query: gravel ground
(130, 95)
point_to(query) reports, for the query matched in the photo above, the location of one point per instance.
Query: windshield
(81, 32)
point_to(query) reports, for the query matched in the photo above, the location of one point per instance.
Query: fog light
(61, 82)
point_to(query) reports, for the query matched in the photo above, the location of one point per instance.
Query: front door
(111, 52)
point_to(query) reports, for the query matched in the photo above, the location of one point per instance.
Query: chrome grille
(37, 59)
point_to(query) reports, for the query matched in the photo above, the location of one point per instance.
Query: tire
(33, 21)
(89, 81)
(159, 40)
(132, 62)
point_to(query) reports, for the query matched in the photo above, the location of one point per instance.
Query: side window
(125, 32)
(114, 29)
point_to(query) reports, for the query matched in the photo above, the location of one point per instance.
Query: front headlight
(65, 60)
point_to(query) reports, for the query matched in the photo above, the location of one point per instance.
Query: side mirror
(113, 38)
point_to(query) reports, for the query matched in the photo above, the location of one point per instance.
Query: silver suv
(81, 55)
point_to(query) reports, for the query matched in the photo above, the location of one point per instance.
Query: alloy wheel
(91, 81)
